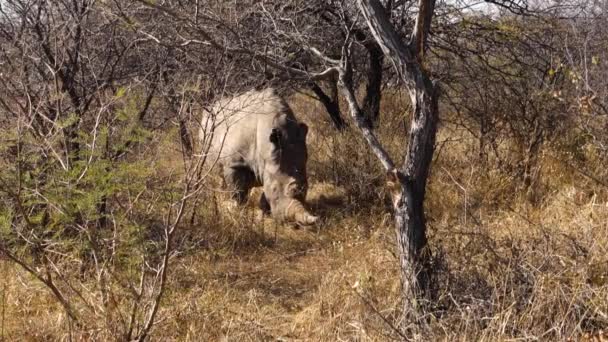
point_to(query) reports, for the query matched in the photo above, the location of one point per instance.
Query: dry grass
(508, 268)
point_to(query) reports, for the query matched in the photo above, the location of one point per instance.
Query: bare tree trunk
(330, 102)
(371, 102)
(185, 136)
(530, 163)
(409, 182)
(177, 107)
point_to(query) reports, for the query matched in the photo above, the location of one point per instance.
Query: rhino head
(285, 180)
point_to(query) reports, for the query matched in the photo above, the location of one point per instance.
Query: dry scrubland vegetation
(510, 264)
(111, 228)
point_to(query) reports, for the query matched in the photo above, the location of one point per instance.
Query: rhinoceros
(258, 141)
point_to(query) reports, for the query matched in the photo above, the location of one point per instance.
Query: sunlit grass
(507, 266)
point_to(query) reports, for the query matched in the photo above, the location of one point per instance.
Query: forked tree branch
(409, 193)
(384, 33)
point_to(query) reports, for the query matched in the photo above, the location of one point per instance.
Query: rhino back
(242, 126)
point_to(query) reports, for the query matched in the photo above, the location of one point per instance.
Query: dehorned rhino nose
(298, 213)
(306, 219)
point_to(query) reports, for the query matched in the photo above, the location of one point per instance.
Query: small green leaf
(120, 92)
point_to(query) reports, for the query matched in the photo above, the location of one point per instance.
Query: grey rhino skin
(258, 142)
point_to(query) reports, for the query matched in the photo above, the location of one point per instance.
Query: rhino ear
(303, 130)
(275, 137)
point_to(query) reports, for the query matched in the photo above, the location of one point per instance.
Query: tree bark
(371, 102)
(409, 182)
(331, 104)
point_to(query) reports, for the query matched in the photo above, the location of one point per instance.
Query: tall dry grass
(508, 267)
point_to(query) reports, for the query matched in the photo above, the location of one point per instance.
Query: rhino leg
(239, 180)
(264, 205)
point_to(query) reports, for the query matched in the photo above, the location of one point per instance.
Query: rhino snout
(296, 211)
(306, 219)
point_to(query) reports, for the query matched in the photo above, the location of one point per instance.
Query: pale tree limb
(345, 75)
(422, 27)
